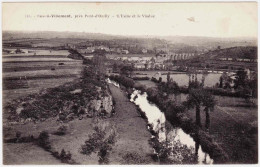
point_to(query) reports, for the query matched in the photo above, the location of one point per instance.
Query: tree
(226, 81)
(201, 97)
(204, 75)
(221, 82)
(98, 62)
(160, 79)
(194, 100)
(115, 67)
(209, 103)
(127, 70)
(100, 141)
(173, 152)
(168, 77)
(253, 84)
(194, 85)
(240, 79)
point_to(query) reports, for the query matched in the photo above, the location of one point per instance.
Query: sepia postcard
(129, 83)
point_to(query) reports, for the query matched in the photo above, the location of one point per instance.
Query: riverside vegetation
(198, 97)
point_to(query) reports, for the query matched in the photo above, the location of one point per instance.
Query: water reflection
(157, 119)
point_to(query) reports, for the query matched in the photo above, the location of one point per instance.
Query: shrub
(61, 130)
(140, 87)
(65, 157)
(141, 78)
(134, 158)
(154, 80)
(173, 152)
(56, 154)
(125, 81)
(43, 140)
(100, 141)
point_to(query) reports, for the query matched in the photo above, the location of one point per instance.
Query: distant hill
(62, 38)
(55, 34)
(233, 52)
(211, 42)
(176, 44)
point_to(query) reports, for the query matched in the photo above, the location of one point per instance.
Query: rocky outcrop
(86, 97)
(103, 106)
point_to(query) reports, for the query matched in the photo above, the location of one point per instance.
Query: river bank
(233, 124)
(171, 144)
(133, 135)
(175, 114)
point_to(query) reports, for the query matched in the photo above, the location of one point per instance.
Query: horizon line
(153, 36)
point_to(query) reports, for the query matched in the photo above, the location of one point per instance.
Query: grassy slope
(234, 52)
(132, 129)
(78, 131)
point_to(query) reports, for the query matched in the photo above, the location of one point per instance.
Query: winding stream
(157, 119)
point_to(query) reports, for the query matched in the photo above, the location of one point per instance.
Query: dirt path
(132, 130)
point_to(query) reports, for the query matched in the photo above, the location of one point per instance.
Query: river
(157, 119)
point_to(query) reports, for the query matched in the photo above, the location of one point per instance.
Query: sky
(237, 19)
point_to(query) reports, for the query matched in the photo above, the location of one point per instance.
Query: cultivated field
(26, 73)
(29, 73)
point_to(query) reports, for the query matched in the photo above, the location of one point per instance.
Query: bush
(43, 140)
(154, 80)
(140, 87)
(141, 78)
(125, 81)
(101, 140)
(173, 152)
(134, 158)
(61, 130)
(65, 157)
